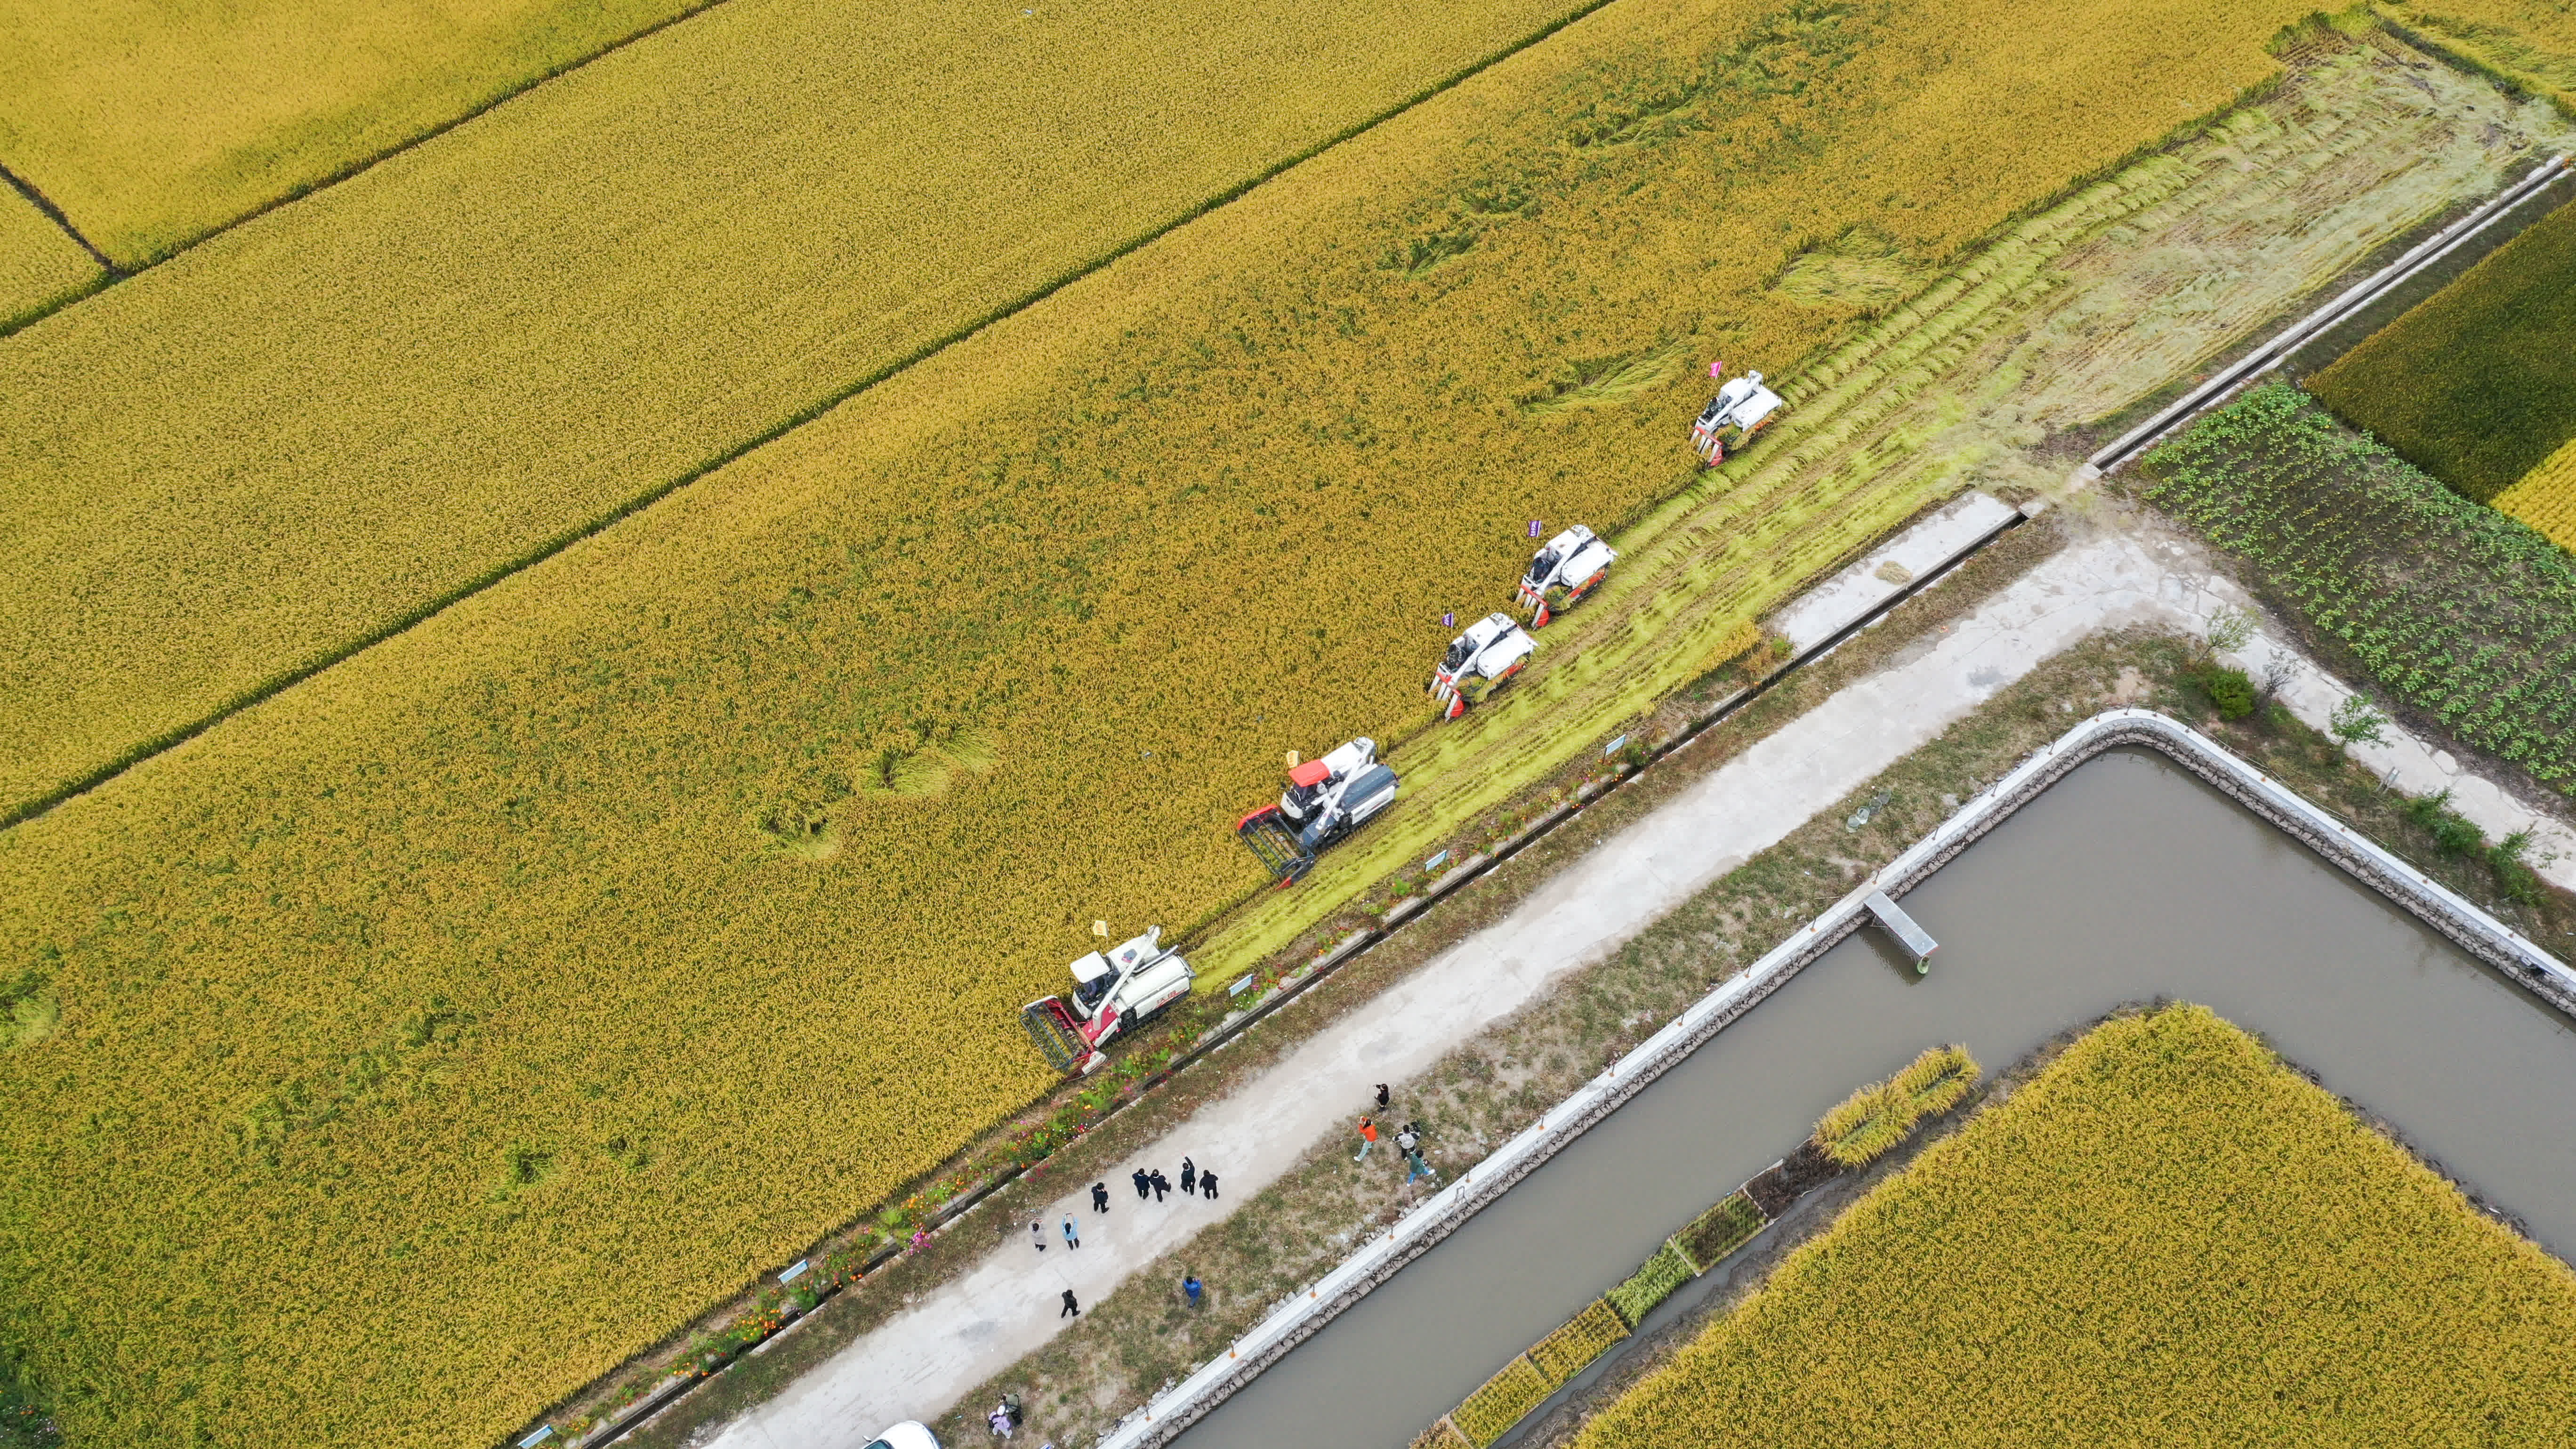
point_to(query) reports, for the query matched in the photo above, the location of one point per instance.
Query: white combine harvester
(1326, 799)
(1118, 992)
(1744, 406)
(1493, 649)
(1573, 564)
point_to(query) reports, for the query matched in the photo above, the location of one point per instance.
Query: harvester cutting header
(1113, 993)
(1740, 409)
(1573, 564)
(1326, 799)
(1493, 649)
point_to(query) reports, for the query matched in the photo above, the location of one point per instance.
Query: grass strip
(2167, 1236)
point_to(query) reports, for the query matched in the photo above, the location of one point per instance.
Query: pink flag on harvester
(1534, 528)
(1717, 369)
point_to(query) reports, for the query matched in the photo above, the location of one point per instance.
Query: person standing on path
(1037, 1235)
(1190, 1287)
(1162, 1184)
(1144, 1185)
(1368, 1137)
(1381, 1096)
(1073, 1239)
(1207, 1185)
(1100, 1197)
(1409, 1142)
(1071, 1308)
(1189, 1177)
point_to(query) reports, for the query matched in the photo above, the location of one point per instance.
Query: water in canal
(2129, 880)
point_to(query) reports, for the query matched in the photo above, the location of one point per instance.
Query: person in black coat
(1100, 1197)
(1189, 1178)
(1161, 1183)
(1207, 1185)
(1144, 1185)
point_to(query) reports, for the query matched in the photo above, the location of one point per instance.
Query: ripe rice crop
(735, 835)
(1863, 1126)
(2166, 1237)
(152, 125)
(2545, 497)
(2477, 386)
(1504, 1400)
(1586, 1336)
(512, 333)
(1719, 1231)
(2453, 606)
(2530, 44)
(40, 268)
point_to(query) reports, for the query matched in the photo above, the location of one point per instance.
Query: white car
(906, 1435)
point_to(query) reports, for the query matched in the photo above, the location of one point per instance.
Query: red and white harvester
(1493, 649)
(1573, 564)
(1326, 799)
(1742, 408)
(1112, 993)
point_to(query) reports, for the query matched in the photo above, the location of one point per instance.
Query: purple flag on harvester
(1449, 621)
(1534, 528)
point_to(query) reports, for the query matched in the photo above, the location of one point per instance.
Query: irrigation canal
(2130, 879)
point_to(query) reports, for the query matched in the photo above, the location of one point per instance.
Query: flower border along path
(1306, 1312)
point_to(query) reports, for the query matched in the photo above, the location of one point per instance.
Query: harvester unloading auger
(1493, 649)
(1326, 799)
(1112, 993)
(1741, 409)
(1573, 564)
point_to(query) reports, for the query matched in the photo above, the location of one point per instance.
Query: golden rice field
(508, 334)
(152, 124)
(39, 266)
(2166, 1238)
(2531, 43)
(2545, 497)
(556, 964)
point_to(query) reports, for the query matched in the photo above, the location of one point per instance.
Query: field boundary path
(918, 1362)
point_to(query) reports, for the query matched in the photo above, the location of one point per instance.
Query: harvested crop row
(2530, 44)
(2477, 386)
(324, 421)
(40, 267)
(557, 965)
(2166, 1237)
(154, 124)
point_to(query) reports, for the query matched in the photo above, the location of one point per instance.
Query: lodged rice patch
(2477, 386)
(2167, 1237)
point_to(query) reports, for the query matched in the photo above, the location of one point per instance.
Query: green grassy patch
(2478, 385)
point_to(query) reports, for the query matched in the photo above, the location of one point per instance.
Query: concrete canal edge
(1306, 1311)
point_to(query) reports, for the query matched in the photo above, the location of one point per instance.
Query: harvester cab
(1113, 992)
(1573, 564)
(1493, 649)
(1326, 799)
(1742, 407)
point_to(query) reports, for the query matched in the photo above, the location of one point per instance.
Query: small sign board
(795, 1270)
(1240, 985)
(1614, 746)
(544, 1432)
(1435, 862)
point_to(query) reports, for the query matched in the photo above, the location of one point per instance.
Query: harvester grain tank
(1741, 408)
(1573, 564)
(1326, 799)
(1113, 992)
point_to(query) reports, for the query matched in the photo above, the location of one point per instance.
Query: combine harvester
(1573, 564)
(1493, 649)
(1114, 993)
(1326, 799)
(1744, 406)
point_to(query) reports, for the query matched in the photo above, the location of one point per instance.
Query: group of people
(1151, 1183)
(1408, 1140)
